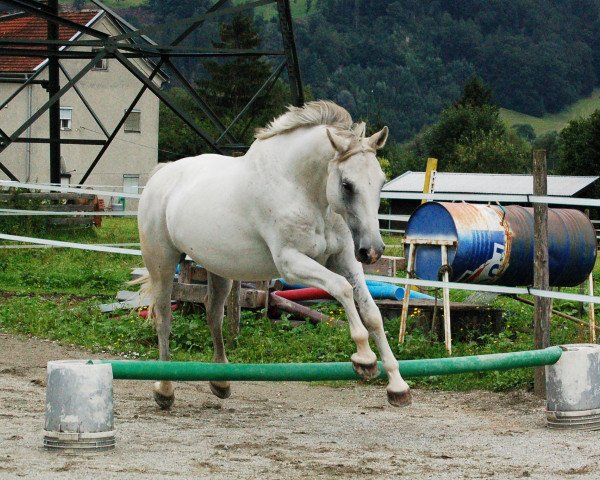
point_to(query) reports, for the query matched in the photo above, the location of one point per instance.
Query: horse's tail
(145, 291)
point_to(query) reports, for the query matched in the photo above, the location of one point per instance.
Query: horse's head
(354, 185)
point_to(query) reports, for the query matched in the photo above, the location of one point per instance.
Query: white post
(405, 301)
(446, 294)
(592, 313)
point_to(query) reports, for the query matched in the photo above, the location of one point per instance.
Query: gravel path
(288, 431)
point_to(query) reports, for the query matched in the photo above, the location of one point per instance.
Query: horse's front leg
(345, 264)
(296, 267)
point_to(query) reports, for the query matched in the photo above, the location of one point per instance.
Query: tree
(579, 147)
(549, 142)
(475, 94)
(524, 130)
(470, 137)
(491, 152)
(175, 139)
(232, 83)
(458, 123)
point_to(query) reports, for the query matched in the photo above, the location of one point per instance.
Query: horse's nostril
(363, 253)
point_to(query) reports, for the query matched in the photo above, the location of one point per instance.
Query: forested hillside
(403, 61)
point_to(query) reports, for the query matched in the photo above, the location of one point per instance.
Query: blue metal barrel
(494, 244)
(571, 246)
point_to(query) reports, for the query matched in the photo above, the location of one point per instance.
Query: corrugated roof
(487, 183)
(35, 28)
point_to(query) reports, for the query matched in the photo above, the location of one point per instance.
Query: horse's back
(205, 206)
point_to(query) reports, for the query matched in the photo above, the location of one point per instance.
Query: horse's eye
(347, 186)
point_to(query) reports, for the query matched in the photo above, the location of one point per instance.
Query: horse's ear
(377, 140)
(340, 144)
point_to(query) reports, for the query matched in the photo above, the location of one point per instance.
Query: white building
(109, 89)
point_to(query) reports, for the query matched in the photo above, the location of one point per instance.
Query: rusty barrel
(494, 245)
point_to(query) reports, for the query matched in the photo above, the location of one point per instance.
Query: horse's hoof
(220, 391)
(367, 371)
(164, 402)
(399, 399)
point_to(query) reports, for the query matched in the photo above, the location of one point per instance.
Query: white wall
(109, 92)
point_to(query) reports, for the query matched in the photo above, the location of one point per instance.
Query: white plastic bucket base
(77, 442)
(580, 420)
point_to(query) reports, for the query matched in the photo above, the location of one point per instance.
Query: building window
(66, 116)
(101, 64)
(131, 183)
(133, 122)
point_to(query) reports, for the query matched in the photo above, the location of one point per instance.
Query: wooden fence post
(541, 278)
(234, 312)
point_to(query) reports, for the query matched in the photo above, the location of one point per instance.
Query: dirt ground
(288, 431)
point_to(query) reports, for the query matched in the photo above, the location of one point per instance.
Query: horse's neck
(301, 157)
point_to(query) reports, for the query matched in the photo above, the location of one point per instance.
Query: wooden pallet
(55, 202)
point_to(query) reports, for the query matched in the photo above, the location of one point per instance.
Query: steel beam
(289, 44)
(53, 89)
(182, 36)
(85, 102)
(55, 98)
(66, 141)
(212, 116)
(265, 86)
(176, 110)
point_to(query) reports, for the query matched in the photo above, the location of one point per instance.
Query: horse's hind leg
(161, 262)
(218, 290)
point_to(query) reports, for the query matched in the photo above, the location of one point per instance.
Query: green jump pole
(310, 372)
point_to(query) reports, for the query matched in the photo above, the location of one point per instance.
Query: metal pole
(53, 89)
(309, 372)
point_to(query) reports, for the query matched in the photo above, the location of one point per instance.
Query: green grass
(113, 4)
(67, 271)
(581, 109)
(55, 293)
(297, 8)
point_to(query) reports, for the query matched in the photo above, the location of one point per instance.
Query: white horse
(301, 204)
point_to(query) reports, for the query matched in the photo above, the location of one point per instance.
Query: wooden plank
(234, 311)
(71, 221)
(446, 296)
(187, 292)
(410, 268)
(541, 330)
(70, 207)
(251, 298)
(198, 273)
(387, 266)
(185, 272)
(4, 197)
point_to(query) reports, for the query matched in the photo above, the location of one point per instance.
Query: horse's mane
(321, 112)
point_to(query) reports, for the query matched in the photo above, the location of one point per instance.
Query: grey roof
(487, 183)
